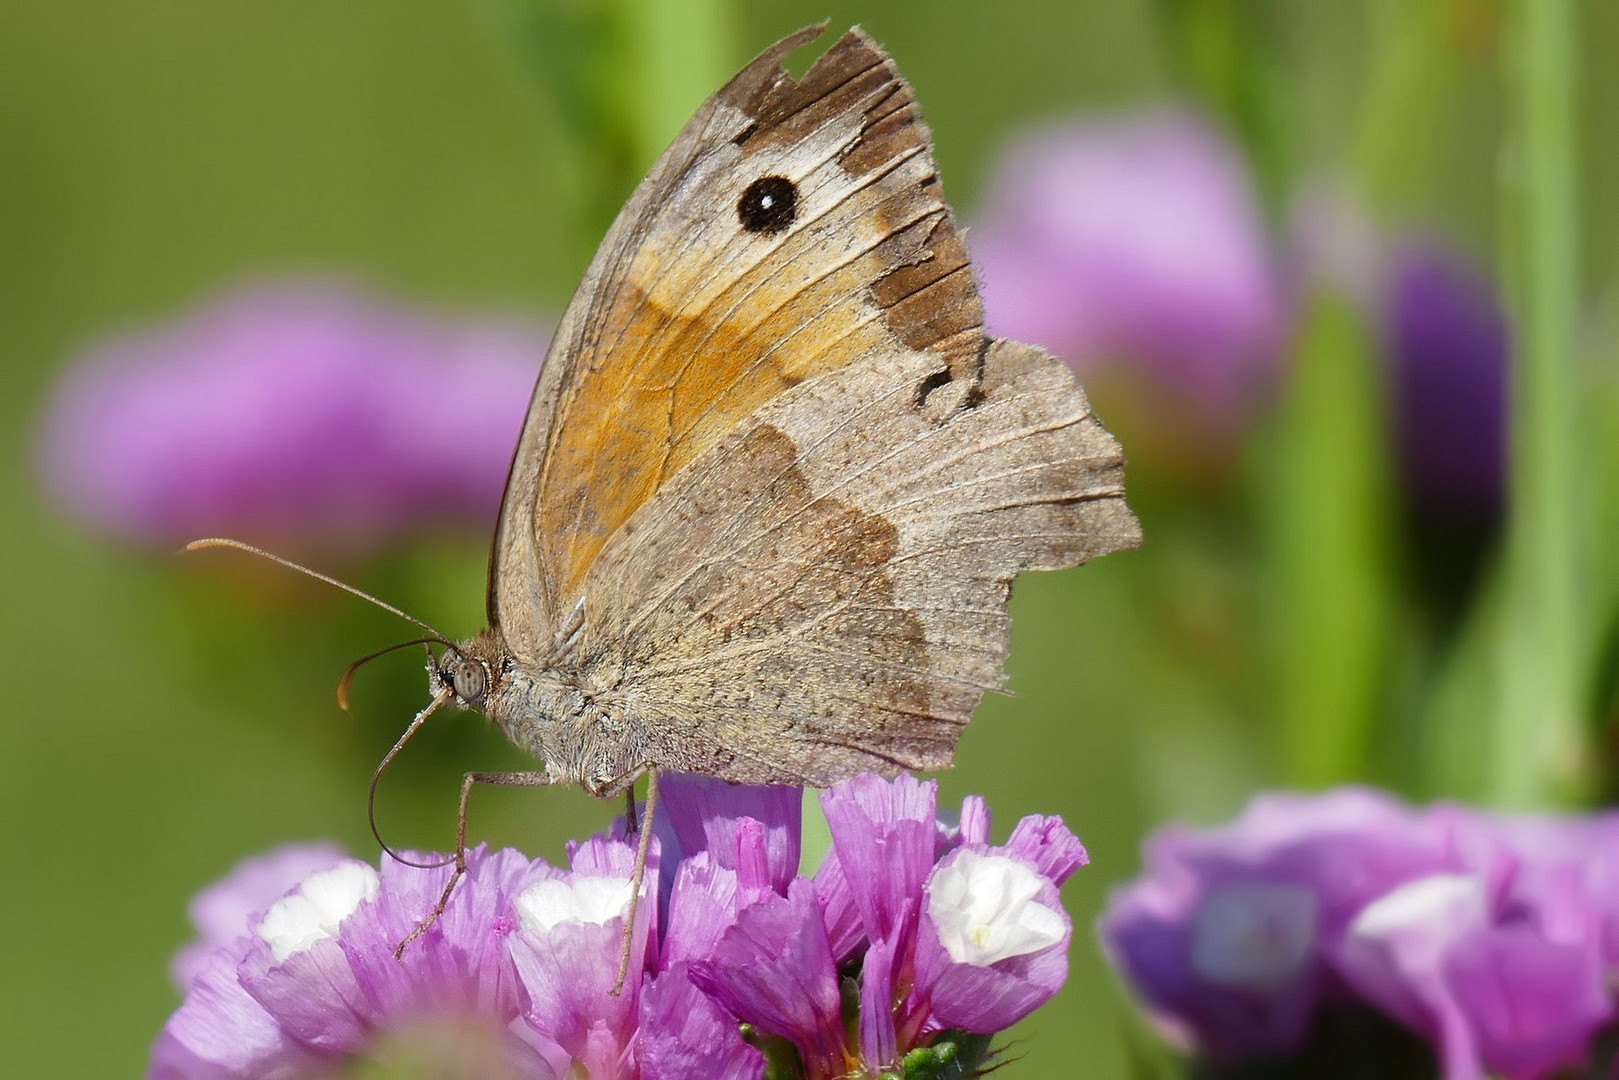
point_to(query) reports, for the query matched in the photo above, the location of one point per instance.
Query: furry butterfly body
(775, 481)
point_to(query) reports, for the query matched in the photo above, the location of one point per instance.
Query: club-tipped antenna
(239, 545)
(348, 672)
(376, 777)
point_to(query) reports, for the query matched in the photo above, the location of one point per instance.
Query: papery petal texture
(702, 814)
(226, 911)
(774, 969)
(516, 976)
(686, 1035)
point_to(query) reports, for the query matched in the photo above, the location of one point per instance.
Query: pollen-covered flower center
(317, 908)
(1254, 934)
(578, 898)
(987, 909)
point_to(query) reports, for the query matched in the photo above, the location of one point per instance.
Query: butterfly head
(469, 671)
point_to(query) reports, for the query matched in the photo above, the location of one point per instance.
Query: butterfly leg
(506, 779)
(643, 844)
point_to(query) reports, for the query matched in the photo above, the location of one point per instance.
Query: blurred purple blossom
(1446, 344)
(1491, 936)
(520, 968)
(1448, 349)
(306, 411)
(1137, 240)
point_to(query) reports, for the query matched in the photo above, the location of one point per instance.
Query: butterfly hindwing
(825, 593)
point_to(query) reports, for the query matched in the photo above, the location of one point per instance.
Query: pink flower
(1137, 242)
(296, 411)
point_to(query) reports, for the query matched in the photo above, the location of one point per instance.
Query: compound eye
(469, 681)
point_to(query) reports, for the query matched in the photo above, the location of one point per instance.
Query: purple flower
(1225, 936)
(1448, 348)
(1490, 936)
(1137, 240)
(520, 969)
(1498, 959)
(774, 969)
(945, 931)
(228, 909)
(294, 411)
(993, 943)
(1446, 345)
(315, 981)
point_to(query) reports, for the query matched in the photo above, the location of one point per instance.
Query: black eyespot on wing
(769, 205)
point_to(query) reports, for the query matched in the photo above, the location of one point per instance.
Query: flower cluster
(1495, 938)
(299, 412)
(912, 944)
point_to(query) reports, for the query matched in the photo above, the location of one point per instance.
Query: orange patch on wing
(697, 377)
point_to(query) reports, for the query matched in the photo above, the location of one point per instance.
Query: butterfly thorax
(570, 713)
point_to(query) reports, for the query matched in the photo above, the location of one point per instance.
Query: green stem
(680, 52)
(1537, 731)
(1330, 559)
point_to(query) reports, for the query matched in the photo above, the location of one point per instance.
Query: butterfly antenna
(348, 673)
(376, 777)
(226, 542)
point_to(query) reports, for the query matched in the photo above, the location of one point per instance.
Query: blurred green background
(170, 716)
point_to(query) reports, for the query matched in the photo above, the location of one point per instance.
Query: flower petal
(702, 814)
(774, 969)
(685, 1035)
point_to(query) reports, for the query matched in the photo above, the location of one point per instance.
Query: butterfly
(775, 480)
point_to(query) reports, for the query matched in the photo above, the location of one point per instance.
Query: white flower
(576, 898)
(986, 909)
(1256, 934)
(316, 908)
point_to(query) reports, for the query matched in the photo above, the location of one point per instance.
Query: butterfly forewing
(795, 227)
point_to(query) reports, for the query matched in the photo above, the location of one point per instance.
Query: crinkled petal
(226, 910)
(569, 974)
(987, 998)
(460, 965)
(838, 910)
(884, 835)
(702, 814)
(991, 999)
(614, 854)
(314, 995)
(774, 969)
(703, 907)
(879, 1040)
(975, 821)
(685, 1035)
(221, 1031)
(1049, 845)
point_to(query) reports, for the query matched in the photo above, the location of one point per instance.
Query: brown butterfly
(775, 481)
